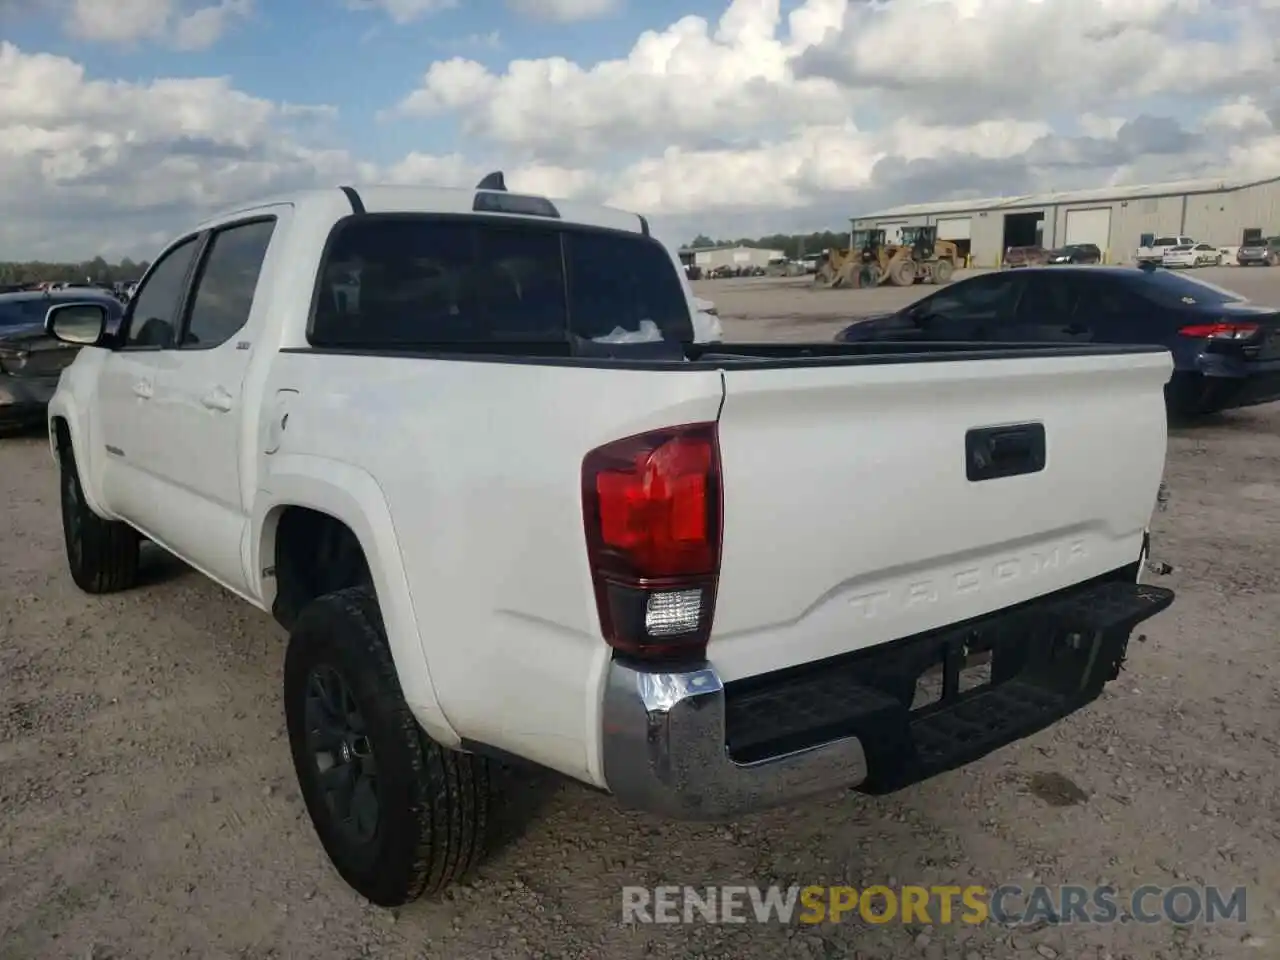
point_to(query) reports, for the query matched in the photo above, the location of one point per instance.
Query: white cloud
(563, 11)
(749, 123)
(758, 110)
(182, 24)
(943, 58)
(687, 86)
(403, 11)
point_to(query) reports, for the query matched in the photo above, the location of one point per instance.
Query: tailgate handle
(1008, 451)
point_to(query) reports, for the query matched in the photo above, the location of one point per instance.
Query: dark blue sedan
(30, 359)
(1226, 350)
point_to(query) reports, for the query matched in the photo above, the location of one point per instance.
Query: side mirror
(80, 324)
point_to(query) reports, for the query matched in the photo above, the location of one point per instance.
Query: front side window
(153, 318)
(1048, 298)
(993, 296)
(228, 278)
(435, 282)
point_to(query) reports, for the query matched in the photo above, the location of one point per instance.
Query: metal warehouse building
(1214, 211)
(708, 258)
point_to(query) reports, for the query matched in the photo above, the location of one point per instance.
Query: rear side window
(434, 282)
(1175, 290)
(1165, 242)
(1048, 297)
(1103, 304)
(227, 280)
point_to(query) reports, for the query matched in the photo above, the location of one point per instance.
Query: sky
(123, 122)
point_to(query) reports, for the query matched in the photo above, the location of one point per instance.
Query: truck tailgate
(856, 512)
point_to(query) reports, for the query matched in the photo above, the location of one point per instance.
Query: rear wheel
(398, 814)
(102, 554)
(942, 271)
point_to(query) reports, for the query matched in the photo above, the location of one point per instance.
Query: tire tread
(451, 828)
(109, 549)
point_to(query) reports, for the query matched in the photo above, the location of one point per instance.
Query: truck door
(125, 418)
(199, 398)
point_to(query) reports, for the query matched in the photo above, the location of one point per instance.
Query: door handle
(217, 399)
(143, 389)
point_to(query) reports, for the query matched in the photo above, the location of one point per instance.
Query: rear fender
(352, 496)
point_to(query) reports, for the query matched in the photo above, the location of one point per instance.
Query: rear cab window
(493, 284)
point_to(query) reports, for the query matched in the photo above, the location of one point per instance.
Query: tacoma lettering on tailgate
(971, 578)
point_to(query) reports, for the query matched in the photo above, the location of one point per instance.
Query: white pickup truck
(463, 446)
(1153, 253)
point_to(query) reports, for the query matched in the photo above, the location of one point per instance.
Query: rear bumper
(684, 745)
(1209, 392)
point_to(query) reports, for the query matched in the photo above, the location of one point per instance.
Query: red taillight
(652, 507)
(1220, 331)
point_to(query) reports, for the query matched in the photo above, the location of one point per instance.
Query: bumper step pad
(1048, 658)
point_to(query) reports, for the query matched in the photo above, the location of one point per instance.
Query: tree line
(794, 245)
(96, 270)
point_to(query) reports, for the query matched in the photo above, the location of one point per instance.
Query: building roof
(719, 246)
(1097, 194)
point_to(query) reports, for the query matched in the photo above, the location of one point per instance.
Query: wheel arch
(68, 432)
(328, 492)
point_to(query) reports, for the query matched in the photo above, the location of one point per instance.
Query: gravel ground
(149, 809)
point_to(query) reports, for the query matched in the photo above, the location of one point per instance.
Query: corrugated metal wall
(1220, 219)
(1130, 219)
(734, 257)
(1217, 218)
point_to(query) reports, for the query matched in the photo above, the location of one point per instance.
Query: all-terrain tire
(433, 804)
(102, 554)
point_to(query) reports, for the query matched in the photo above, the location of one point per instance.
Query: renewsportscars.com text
(1007, 904)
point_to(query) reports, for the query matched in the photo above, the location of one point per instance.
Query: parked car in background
(1226, 350)
(30, 359)
(1153, 252)
(1257, 254)
(1195, 255)
(1076, 253)
(1024, 257)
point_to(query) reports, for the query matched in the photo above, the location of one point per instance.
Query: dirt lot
(149, 810)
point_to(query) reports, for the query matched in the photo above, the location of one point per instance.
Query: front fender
(351, 495)
(67, 406)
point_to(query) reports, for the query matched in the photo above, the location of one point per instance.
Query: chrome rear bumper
(680, 745)
(665, 751)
